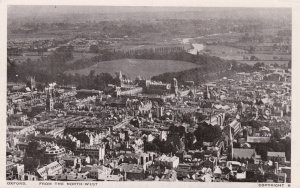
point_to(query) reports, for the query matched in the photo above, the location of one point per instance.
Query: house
(71, 161)
(111, 177)
(281, 177)
(97, 172)
(141, 158)
(169, 175)
(132, 171)
(72, 176)
(51, 169)
(276, 156)
(236, 125)
(287, 171)
(168, 162)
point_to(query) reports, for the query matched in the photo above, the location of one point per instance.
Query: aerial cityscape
(99, 93)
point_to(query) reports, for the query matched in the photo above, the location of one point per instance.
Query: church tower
(49, 99)
(32, 83)
(174, 86)
(207, 93)
(119, 79)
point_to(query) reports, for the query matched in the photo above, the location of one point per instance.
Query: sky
(168, 12)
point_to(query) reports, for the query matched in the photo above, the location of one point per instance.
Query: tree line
(53, 68)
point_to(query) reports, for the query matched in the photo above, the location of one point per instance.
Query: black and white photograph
(148, 93)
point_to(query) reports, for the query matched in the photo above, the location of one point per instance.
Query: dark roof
(116, 101)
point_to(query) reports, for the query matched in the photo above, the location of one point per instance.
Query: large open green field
(135, 67)
(231, 53)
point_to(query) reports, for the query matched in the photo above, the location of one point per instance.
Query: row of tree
(54, 67)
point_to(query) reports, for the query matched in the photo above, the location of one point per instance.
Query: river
(198, 47)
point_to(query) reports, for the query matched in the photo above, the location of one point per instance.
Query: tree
(252, 49)
(32, 149)
(253, 58)
(11, 70)
(276, 134)
(258, 65)
(207, 133)
(275, 65)
(148, 146)
(83, 138)
(290, 64)
(189, 138)
(94, 49)
(31, 164)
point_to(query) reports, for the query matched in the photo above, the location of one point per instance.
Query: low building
(131, 171)
(99, 172)
(54, 153)
(276, 156)
(168, 162)
(95, 152)
(50, 170)
(243, 153)
(72, 161)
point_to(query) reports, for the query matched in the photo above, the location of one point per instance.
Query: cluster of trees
(179, 139)
(91, 81)
(210, 68)
(175, 141)
(33, 155)
(44, 70)
(66, 143)
(207, 133)
(157, 146)
(283, 145)
(278, 144)
(54, 67)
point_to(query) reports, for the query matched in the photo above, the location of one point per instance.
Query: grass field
(137, 67)
(230, 53)
(78, 56)
(223, 50)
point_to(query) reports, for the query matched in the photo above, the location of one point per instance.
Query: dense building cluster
(233, 129)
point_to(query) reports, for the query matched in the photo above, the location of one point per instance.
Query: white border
(294, 4)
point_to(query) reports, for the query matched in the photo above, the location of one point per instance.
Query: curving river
(197, 47)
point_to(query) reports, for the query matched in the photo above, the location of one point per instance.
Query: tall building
(32, 83)
(49, 99)
(174, 87)
(95, 152)
(207, 93)
(119, 79)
